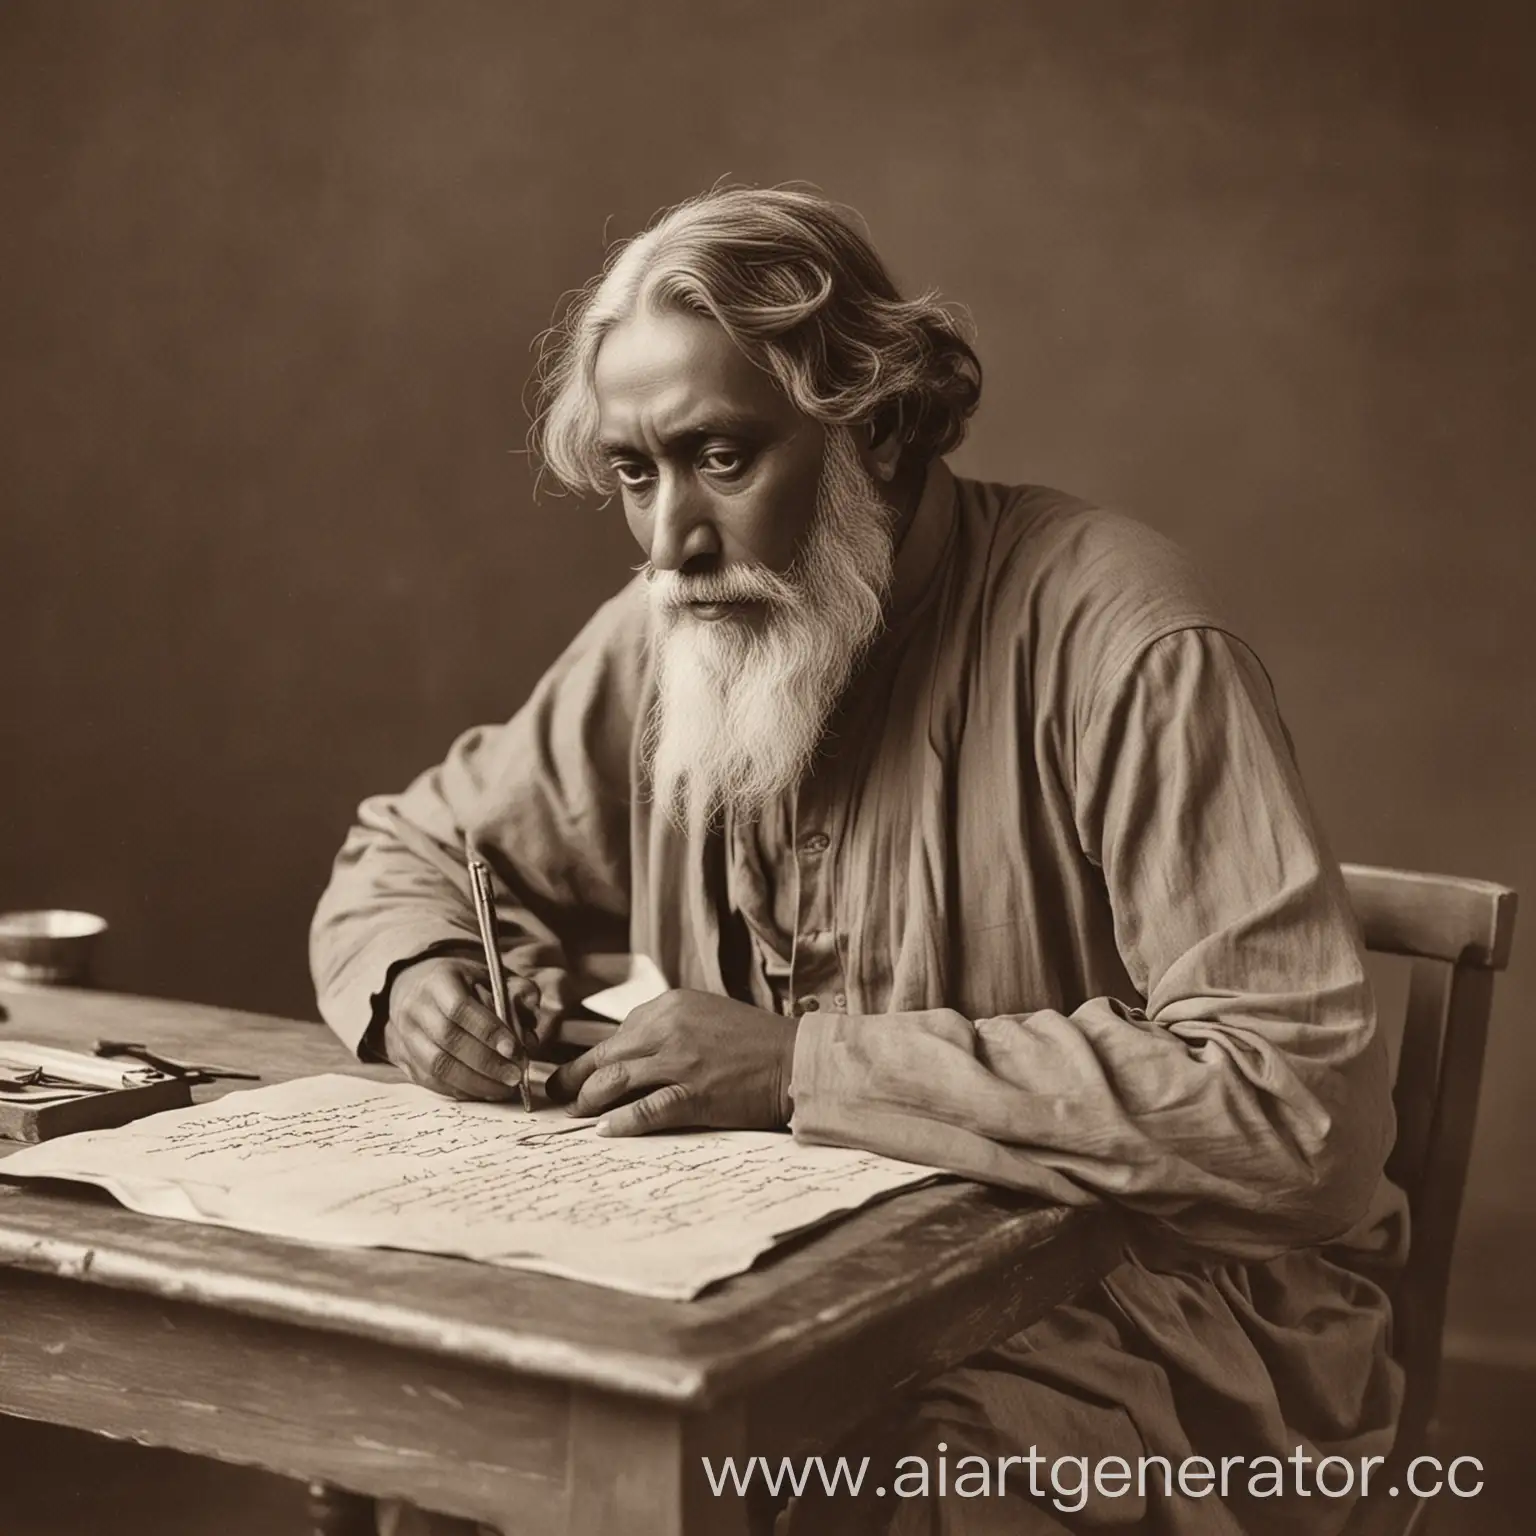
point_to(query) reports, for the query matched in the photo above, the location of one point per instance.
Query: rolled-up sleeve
(1242, 1097)
(544, 799)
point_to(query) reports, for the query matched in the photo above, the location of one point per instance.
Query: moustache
(675, 590)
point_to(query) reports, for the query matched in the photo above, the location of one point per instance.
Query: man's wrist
(372, 1046)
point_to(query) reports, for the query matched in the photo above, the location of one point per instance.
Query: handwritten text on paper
(343, 1161)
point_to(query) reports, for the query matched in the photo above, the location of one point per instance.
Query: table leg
(639, 1468)
(335, 1512)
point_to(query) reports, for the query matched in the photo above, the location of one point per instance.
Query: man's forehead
(678, 373)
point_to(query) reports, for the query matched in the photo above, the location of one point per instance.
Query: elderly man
(963, 830)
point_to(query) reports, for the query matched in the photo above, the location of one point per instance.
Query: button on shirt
(779, 883)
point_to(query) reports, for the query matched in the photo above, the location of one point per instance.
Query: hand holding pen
(443, 1034)
(440, 1032)
(485, 915)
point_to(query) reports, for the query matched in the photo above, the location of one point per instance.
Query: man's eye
(632, 475)
(723, 461)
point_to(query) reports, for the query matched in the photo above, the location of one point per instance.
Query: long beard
(741, 710)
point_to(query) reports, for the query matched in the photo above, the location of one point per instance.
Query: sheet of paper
(347, 1162)
(644, 982)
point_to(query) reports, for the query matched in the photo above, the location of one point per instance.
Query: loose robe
(1054, 913)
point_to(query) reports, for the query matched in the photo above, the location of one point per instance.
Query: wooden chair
(1457, 934)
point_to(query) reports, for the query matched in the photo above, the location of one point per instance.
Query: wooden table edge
(685, 1383)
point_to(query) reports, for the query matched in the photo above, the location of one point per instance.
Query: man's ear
(880, 445)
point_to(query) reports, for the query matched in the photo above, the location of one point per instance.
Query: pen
(172, 1068)
(77, 1068)
(485, 913)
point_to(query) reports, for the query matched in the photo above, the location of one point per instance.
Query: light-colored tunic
(1054, 913)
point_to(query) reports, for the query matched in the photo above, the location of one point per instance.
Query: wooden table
(532, 1403)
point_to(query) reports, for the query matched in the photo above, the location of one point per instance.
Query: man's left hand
(698, 1059)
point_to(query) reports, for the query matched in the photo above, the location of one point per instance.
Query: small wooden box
(20, 1121)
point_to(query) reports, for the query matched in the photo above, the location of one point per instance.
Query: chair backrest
(1457, 933)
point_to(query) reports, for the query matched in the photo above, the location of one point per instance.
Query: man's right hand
(444, 1034)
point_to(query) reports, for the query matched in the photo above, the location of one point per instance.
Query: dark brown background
(269, 274)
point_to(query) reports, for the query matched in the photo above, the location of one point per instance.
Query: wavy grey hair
(801, 291)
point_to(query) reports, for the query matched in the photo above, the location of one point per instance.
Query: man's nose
(682, 531)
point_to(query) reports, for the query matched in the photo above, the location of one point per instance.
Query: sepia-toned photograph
(767, 768)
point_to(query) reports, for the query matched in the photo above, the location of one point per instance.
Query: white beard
(741, 711)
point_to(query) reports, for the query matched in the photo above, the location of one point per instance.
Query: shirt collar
(920, 557)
